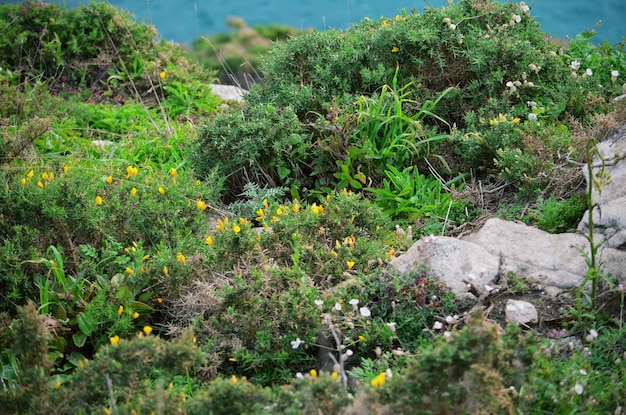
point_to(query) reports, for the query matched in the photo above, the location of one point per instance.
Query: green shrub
(254, 144)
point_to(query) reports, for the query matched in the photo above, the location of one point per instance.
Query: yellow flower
(379, 380)
(147, 329)
(109, 179)
(501, 117)
(516, 120)
(390, 253)
(45, 176)
(400, 18)
(57, 384)
(493, 121)
(236, 228)
(65, 168)
(244, 221)
(161, 190)
(279, 211)
(315, 209)
(220, 225)
(162, 75)
(114, 340)
(135, 315)
(131, 171)
(395, 49)
(23, 181)
(181, 258)
(296, 207)
(145, 257)
(30, 174)
(334, 375)
(133, 191)
(120, 310)
(165, 270)
(208, 240)
(234, 379)
(362, 338)
(98, 200)
(313, 373)
(265, 204)
(51, 175)
(129, 271)
(106, 411)
(350, 264)
(40, 184)
(260, 213)
(201, 205)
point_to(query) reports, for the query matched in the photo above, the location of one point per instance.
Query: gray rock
(452, 260)
(521, 312)
(229, 92)
(554, 261)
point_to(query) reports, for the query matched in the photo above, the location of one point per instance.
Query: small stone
(522, 312)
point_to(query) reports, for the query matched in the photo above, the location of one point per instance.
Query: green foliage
(412, 301)
(254, 144)
(462, 375)
(557, 216)
(411, 195)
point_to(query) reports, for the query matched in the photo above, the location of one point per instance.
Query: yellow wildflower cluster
(502, 119)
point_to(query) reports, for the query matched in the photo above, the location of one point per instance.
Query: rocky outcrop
(552, 263)
(228, 92)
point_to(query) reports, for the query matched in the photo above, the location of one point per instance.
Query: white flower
(575, 65)
(592, 335)
(365, 312)
(354, 301)
(517, 18)
(337, 306)
(452, 26)
(524, 7)
(319, 304)
(452, 319)
(447, 334)
(511, 86)
(388, 373)
(446, 20)
(296, 343)
(532, 117)
(349, 352)
(614, 75)
(299, 375)
(588, 72)
(438, 325)
(583, 372)
(392, 326)
(578, 388)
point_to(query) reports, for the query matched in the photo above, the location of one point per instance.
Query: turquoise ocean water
(183, 21)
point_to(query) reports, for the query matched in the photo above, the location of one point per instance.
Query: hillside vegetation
(164, 252)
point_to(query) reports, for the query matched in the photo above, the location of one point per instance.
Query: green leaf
(141, 308)
(123, 293)
(79, 339)
(86, 324)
